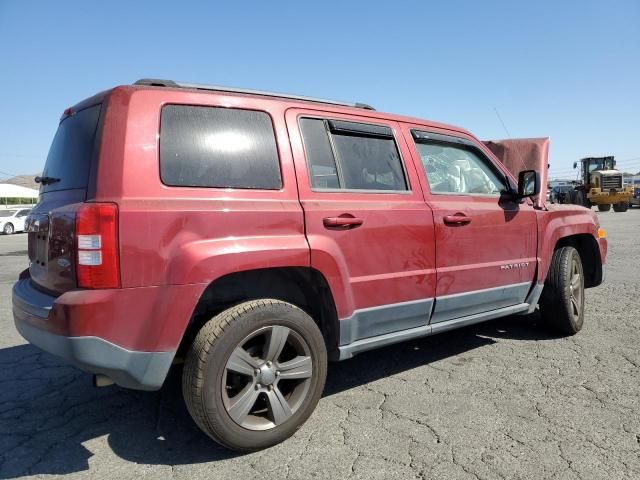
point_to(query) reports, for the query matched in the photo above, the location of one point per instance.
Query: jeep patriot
(256, 236)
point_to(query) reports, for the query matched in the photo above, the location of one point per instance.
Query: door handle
(457, 219)
(342, 222)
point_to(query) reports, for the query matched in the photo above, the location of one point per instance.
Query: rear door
(486, 245)
(367, 224)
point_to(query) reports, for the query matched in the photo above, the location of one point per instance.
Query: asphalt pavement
(501, 400)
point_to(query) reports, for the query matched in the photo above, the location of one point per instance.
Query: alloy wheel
(576, 289)
(267, 378)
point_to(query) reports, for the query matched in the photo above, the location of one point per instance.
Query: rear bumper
(141, 370)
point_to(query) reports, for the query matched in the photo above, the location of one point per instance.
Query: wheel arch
(589, 252)
(304, 287)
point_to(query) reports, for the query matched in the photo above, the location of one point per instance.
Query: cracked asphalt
(501, 400)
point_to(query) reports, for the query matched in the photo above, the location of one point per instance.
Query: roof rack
(153, 82)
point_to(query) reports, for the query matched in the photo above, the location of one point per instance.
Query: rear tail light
(97, 262)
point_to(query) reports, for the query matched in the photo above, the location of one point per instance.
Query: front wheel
(254, 374)
(604, 207)
(562, 300)
(621, 207)
(581, 199)
(8, 229)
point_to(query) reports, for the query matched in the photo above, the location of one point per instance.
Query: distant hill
(24, 181)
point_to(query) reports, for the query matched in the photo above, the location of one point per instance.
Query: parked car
(12, 221)
(635, 200)
(258, 235)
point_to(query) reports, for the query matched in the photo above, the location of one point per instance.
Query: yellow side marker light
(602, 233)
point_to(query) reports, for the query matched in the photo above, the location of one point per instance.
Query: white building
(557, 182)
(9, 193)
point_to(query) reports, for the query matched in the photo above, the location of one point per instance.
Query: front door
(370, 232)
(486, 245)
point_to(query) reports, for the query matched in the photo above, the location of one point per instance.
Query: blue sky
(569, 70)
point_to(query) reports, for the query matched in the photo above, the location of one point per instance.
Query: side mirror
(575, 164)
(528, 183)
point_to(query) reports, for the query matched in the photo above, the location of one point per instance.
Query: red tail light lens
(97, 262)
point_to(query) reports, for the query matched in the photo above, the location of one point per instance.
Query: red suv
(257, 235)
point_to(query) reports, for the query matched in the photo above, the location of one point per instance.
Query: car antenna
(507, 130)
(503, 125)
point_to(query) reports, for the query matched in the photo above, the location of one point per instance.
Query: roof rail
(153, 82)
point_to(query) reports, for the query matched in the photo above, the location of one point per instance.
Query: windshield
(601, 164)
(7, 213)
(71, 152)
(453, 169)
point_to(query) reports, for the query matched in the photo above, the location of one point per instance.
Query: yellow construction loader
(601, 185)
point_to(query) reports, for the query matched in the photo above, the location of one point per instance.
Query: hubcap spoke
(241, 362)
(252, 393)
(242, 403)
(275, 342)
(574, 304)
(278, 406)
(298, 368)
(575, 281)
(576, 289)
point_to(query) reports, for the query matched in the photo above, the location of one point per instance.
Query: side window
(22, 213)
(218, 147)
(452, 168)
(352, 156)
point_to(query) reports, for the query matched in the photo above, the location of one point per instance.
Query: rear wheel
(581, 199)
(604, 207)
(562, 300)
(8, 229)
(254, 374)
(621, 207)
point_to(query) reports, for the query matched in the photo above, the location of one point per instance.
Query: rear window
(218, 147)
(369, 163)
(71, 153)
(352, 156)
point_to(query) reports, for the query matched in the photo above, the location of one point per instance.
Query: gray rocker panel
(374, 321)
(459, 305)
(387, 324)
(348, 351)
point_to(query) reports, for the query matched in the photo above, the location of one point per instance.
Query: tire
(621, 207)
(562, 300)
(247, 338)
(571, 197)
(581, 198)
(604, 207)
(8, 229)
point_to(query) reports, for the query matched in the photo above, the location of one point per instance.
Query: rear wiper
(46, 180)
